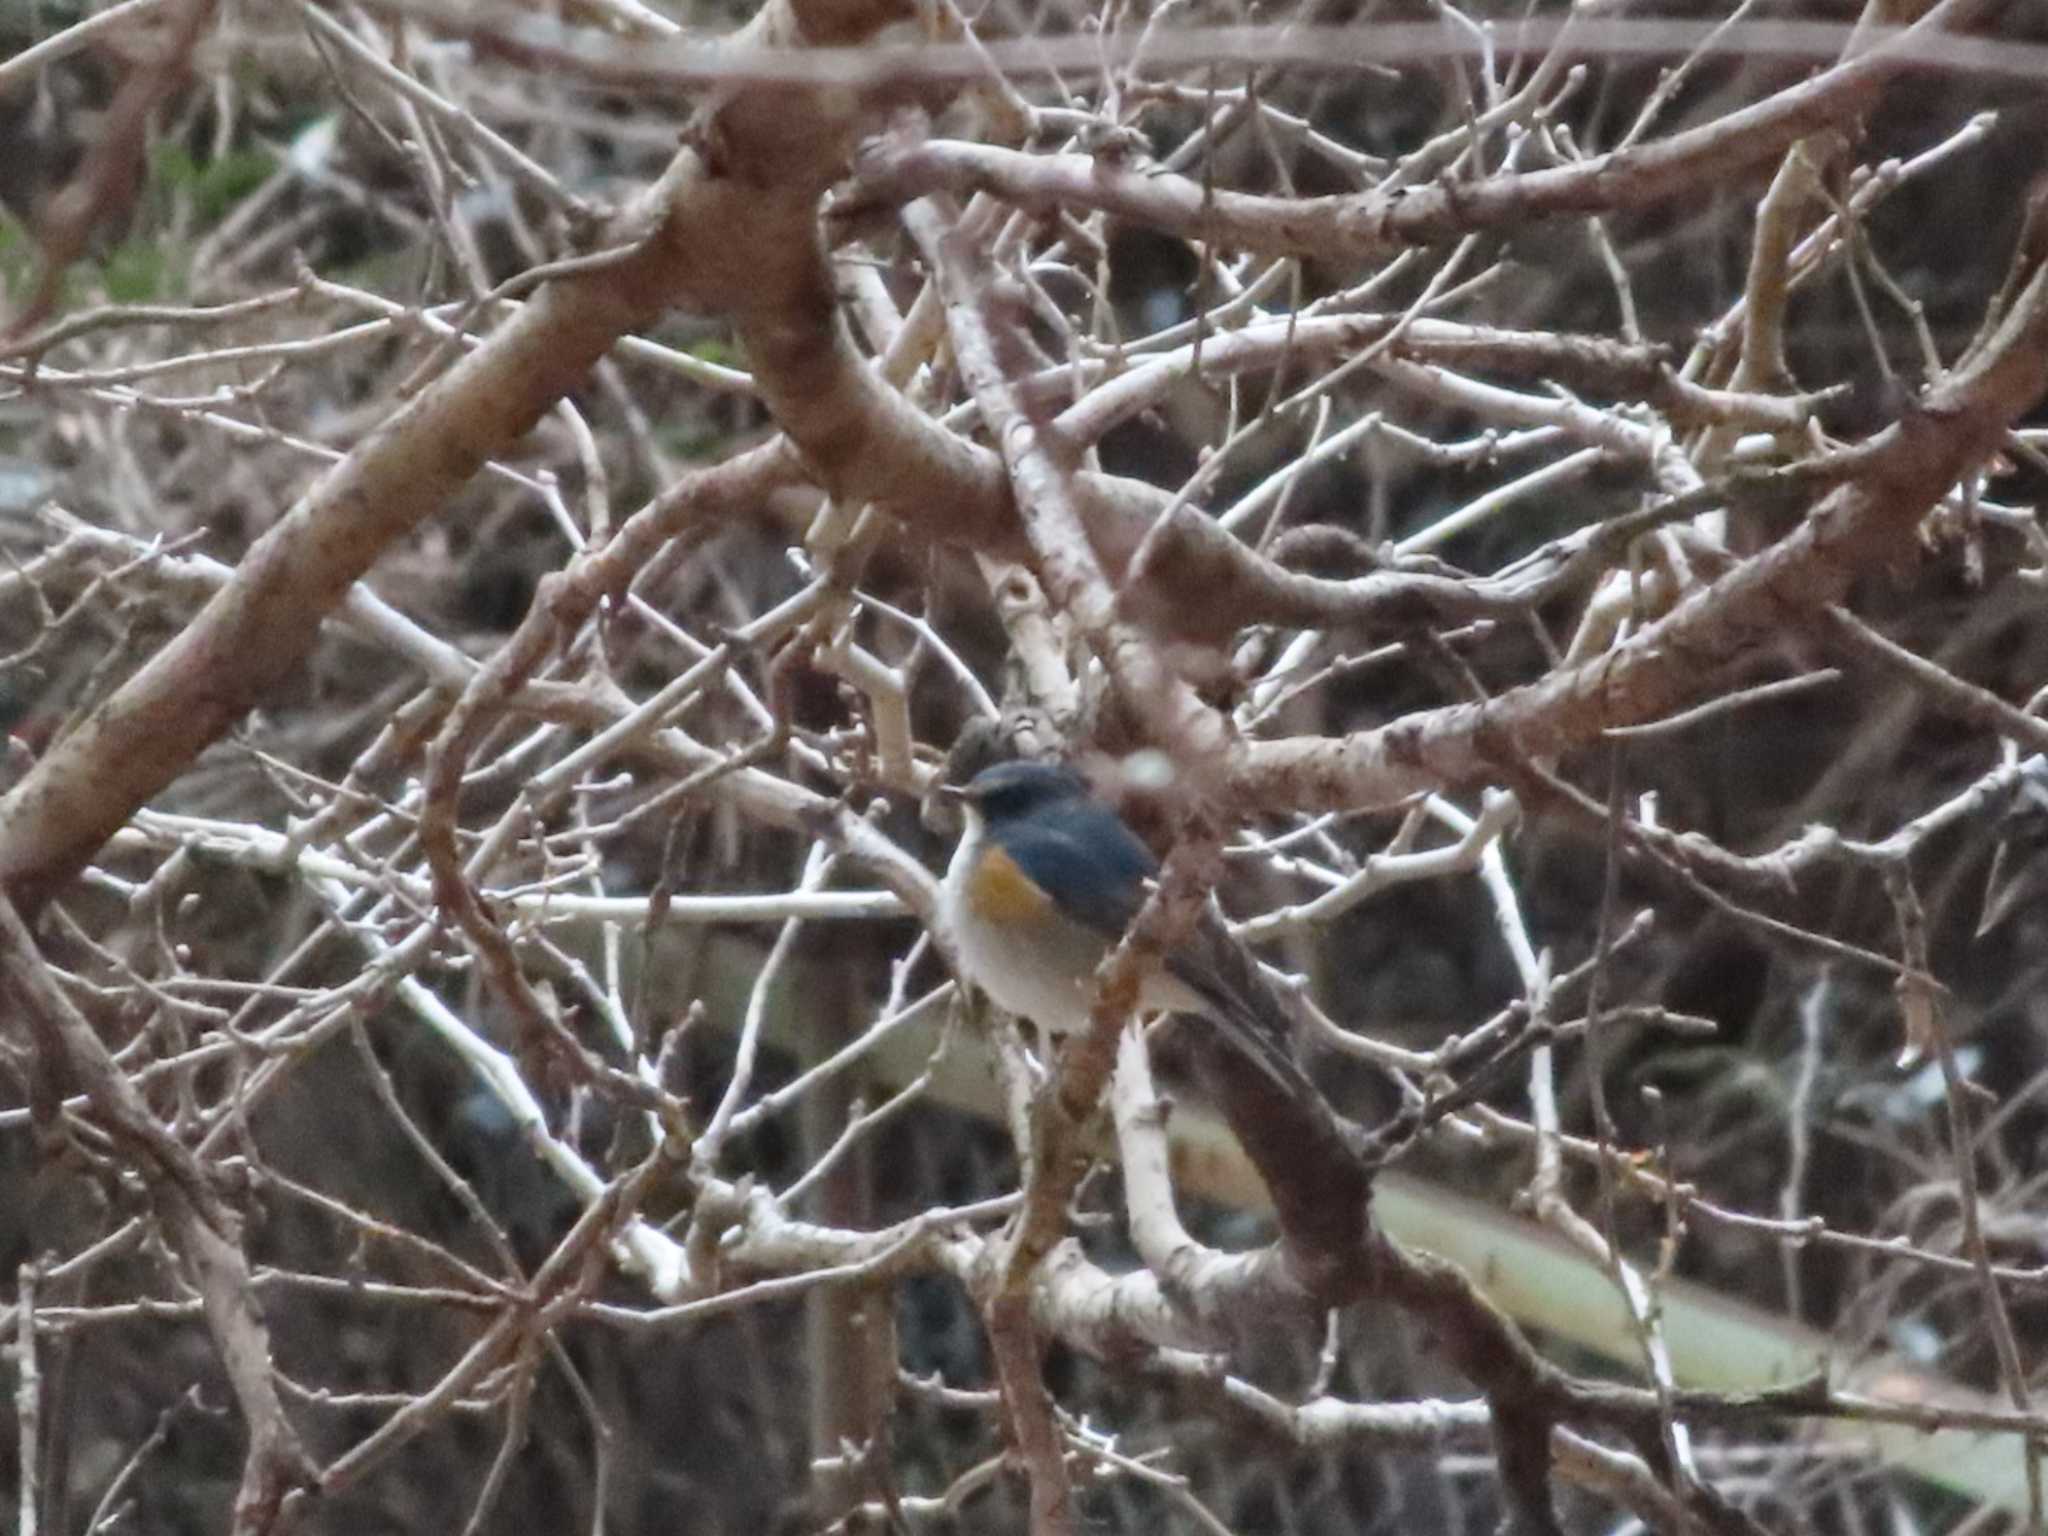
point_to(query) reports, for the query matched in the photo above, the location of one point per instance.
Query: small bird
(1047, 878)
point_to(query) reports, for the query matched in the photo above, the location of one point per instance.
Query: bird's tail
(1243, 1006)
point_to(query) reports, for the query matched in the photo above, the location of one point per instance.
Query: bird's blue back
(1080, 853)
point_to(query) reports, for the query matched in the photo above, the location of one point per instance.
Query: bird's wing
(1090, 864)
(1239, 1000)
(1095, 869)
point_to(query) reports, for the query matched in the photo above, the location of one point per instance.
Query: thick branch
(252, 635)
(1352, 227)
(1869, 520)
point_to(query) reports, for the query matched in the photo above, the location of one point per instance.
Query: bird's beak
(958, 794)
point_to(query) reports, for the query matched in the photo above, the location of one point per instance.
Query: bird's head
(1023, 787)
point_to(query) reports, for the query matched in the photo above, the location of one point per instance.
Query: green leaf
(137, 272)
(225, 182)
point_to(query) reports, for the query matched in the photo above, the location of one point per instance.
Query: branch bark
(203, 1230)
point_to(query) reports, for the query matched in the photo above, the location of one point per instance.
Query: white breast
(1045, 971)
(1042, 971)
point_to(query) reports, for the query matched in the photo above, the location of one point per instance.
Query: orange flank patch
(1001, 892)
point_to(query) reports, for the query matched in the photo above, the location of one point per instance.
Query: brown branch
(111, 177)
(1950, 693)
(201, 1227)
(1952, 430)
(1041, 467)
(1352, 227)
(251, 636)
